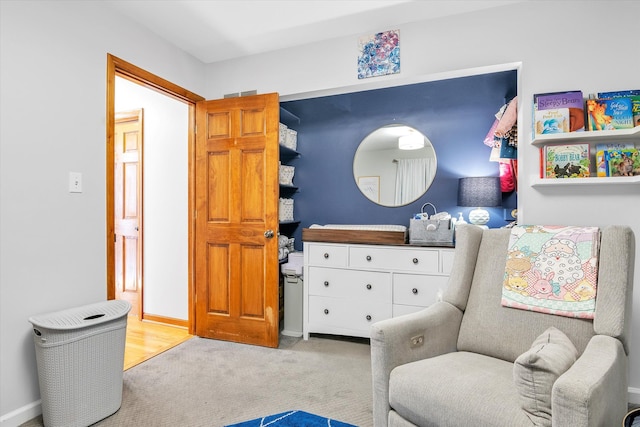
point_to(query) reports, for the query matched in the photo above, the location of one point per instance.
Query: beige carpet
(213, 383)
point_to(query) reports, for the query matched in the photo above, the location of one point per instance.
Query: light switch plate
(75, 182)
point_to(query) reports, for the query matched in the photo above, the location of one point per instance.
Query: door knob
(268, 234)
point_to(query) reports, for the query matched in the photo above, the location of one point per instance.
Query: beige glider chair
(469, 361)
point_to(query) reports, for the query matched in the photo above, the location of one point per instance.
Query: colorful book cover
(618, 94)
(567, 161)
(609, 114)
(602, 169)
(625, 162)
(635, 102)
(553, 100)
(633, 94)
(552, 121)
(573, 100)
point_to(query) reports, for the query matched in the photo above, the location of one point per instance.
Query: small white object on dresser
(348, 287)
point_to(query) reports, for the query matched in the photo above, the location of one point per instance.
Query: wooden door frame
(121, 68)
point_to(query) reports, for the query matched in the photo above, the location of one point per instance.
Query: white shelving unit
(592, 138)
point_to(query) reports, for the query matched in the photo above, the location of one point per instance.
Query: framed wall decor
(379, 54)
(370, 187)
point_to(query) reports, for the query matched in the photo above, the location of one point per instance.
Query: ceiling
(218, 30)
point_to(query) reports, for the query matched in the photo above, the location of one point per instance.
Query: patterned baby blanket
(552, 269)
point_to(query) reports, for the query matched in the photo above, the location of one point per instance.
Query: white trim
(634, 395)
(403, 81)
(21, 415)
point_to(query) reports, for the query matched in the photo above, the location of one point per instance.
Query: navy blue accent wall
(454, 114)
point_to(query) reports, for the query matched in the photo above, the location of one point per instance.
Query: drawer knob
(326, 284)
(368, 285)
(415, 291)
(326, 255)
(368, 257)
(368, 317)
(415, 260)
(326, 311)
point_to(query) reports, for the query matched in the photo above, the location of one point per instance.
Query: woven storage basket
(286, 174)
(285, 213)
(80, 359)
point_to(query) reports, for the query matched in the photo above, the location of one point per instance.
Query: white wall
(553, 43)
(165, 198)
(53, 109)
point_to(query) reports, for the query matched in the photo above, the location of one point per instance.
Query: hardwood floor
(147, 339)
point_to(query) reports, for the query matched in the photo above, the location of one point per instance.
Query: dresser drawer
(346, 313)
(447, 261)
(367, 286)
(414, 260)
(328, 255)
(414, 289)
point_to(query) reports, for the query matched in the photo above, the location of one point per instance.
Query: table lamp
(479, 192)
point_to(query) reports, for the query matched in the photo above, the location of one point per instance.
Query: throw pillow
(535, 371)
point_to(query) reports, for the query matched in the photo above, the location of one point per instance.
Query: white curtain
(411, 179)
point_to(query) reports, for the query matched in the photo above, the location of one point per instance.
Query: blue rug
(292, 419)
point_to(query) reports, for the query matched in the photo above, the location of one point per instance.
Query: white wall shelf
(564, 182)
(592, 138)
(588, 136)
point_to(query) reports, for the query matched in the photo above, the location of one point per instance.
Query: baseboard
(289, 333)
(166, 320)
(634, 395)
(21, 415)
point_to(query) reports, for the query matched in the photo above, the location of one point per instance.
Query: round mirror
(394, 165)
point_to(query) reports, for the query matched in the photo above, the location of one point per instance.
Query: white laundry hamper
(80, 358)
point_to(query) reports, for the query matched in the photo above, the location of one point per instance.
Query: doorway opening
(119, 71)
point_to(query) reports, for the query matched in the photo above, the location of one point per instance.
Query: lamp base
(479, 216)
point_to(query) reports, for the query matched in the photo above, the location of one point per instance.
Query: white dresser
(347, 287)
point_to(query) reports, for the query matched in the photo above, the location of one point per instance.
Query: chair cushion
(535, 371)
(457, 389)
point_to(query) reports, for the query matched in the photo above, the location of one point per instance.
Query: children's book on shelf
(573, 100)
(552, 121)
(633, 94)
(602, 167)
(609, 114)
(623, 162)
(567, 161)
(617, 94)
(635, 105)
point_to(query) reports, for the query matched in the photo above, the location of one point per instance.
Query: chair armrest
(391, 346)
(593, 392)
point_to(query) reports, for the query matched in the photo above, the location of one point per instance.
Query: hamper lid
(80, 317)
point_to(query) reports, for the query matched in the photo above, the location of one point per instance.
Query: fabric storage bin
(426, 231)
(282, 137)
(80, 360)
(285, 212)
(291, 140)
(286, 174)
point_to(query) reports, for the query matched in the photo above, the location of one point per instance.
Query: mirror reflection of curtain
(411, 179)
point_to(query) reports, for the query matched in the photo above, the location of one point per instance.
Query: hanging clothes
(503, 138)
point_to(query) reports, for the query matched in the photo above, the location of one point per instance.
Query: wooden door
(128, 209)
(236, 199)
